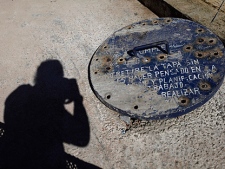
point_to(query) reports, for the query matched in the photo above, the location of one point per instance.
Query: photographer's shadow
(37, 123)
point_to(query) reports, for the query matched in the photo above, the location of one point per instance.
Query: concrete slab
(202, 11)
(216, 4)
(70, 31)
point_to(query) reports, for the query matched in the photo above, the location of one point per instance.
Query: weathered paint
(158, 68)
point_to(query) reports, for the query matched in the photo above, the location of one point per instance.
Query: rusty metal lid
(158, 68)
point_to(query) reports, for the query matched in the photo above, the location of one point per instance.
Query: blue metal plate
(158, 68)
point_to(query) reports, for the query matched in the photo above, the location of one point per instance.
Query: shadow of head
(49, 79)
(47, 71)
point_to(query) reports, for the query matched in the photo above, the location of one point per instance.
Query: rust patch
(216, 78)
(211, 41)
(161, 57)
(188, 48)
(183, 101)
(205, 86)
(217, 53)
(155, 22)
(106, 60)
(121, 60)
(200, 54)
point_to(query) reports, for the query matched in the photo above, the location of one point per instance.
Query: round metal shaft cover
(158, 68)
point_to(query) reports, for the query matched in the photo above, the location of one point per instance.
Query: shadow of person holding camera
(37, 123)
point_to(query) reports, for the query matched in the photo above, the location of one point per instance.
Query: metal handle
(134, 51)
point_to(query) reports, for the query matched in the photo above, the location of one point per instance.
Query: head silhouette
(48, 72)
(49, 81)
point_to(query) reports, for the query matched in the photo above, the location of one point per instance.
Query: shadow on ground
(37, 123)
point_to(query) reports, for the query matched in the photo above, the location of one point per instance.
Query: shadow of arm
(76, 129)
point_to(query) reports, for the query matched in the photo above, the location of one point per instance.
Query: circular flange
(158, 68)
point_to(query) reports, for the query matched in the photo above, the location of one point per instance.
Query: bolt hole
(108, 68)
(211, 41)
(108, 96)
(161, 57)
(200, 55)
(200, 40)
(200, 30)
(168, 20)
(155, 22)
(105, 47)
(108, 60)
(129, 27)
(136, 107)
(204, 86)
(96, 72)
(188, 47)
(183, 101)
(121, 60)
(216, 53)
(143, 24)
(96, 59)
